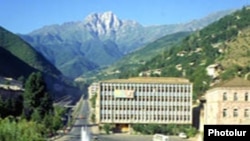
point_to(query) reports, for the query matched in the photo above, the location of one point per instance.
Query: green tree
(20, 130)
(191, 131)
(137, 127)
(58, 114)
(107, 128)
(36, 115)
(93, 100)
(153, 128)
(48, 123)
(11, 106)
(2, 108)
(36, 96)
(93, 118)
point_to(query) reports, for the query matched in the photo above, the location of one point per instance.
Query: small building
(214, 70)
(10, 88)
(228, 103)
(159, 100)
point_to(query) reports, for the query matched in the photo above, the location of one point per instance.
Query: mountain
(100, 40)
(132, 61)
(18, 59)
(13, 67)
(217, 52)
(12, 45)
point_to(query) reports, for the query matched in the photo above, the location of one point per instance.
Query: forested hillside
(225, 42)
(19, 59)
(24, 52)
(129, 64)
(11, 66)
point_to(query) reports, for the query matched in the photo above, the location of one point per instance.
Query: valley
(54, 66)
(102, 39)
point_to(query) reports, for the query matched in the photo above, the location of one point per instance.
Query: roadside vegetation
(170, 129)
(107, 128)
(93, 105)
(93, 100)
(31, 116)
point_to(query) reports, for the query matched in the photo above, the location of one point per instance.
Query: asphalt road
(75, 132)
(125, 137)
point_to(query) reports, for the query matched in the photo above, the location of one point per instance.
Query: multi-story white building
(144, 100)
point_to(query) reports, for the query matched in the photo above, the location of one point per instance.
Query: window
(246, 113)
(177, 117)
(224, 96)
(235, 113)
(224, 113)
(246, 96)
(235, 97)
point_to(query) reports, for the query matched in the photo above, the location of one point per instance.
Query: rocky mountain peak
(103, 23)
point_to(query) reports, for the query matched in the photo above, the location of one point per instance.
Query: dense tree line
(11, 106)
(13, 129)
(168, 129)
(32, 115)
(36, 100)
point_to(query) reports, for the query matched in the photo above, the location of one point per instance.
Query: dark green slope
(19, 59)
(157, 47)
(22, 50)
(11, 66)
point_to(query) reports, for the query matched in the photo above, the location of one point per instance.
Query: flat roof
(173, 80)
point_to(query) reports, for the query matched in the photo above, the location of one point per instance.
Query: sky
(24, 16)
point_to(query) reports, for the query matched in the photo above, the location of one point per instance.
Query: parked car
(183, 135)
(95, 138)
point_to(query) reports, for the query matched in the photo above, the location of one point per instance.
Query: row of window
(148, 94)
(142, 112)
(104, 98)
(147, 89)
(129, 102)
(155, 108)
(155, 118)
(145, 104)
(154, 90)
(236, 113)
(235, 96)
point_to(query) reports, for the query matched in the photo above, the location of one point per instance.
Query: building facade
(145, 100)
(228, 103)
(93, 89)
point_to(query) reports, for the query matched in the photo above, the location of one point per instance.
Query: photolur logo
(223, 132)
(215, 132)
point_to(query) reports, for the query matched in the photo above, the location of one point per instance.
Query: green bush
(167, 129)
(20, 130)
(93, 119)
(107, 128)
(93, 100)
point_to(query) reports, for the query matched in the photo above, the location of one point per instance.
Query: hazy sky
(24, 16)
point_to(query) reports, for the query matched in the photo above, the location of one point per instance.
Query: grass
(237, 51)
